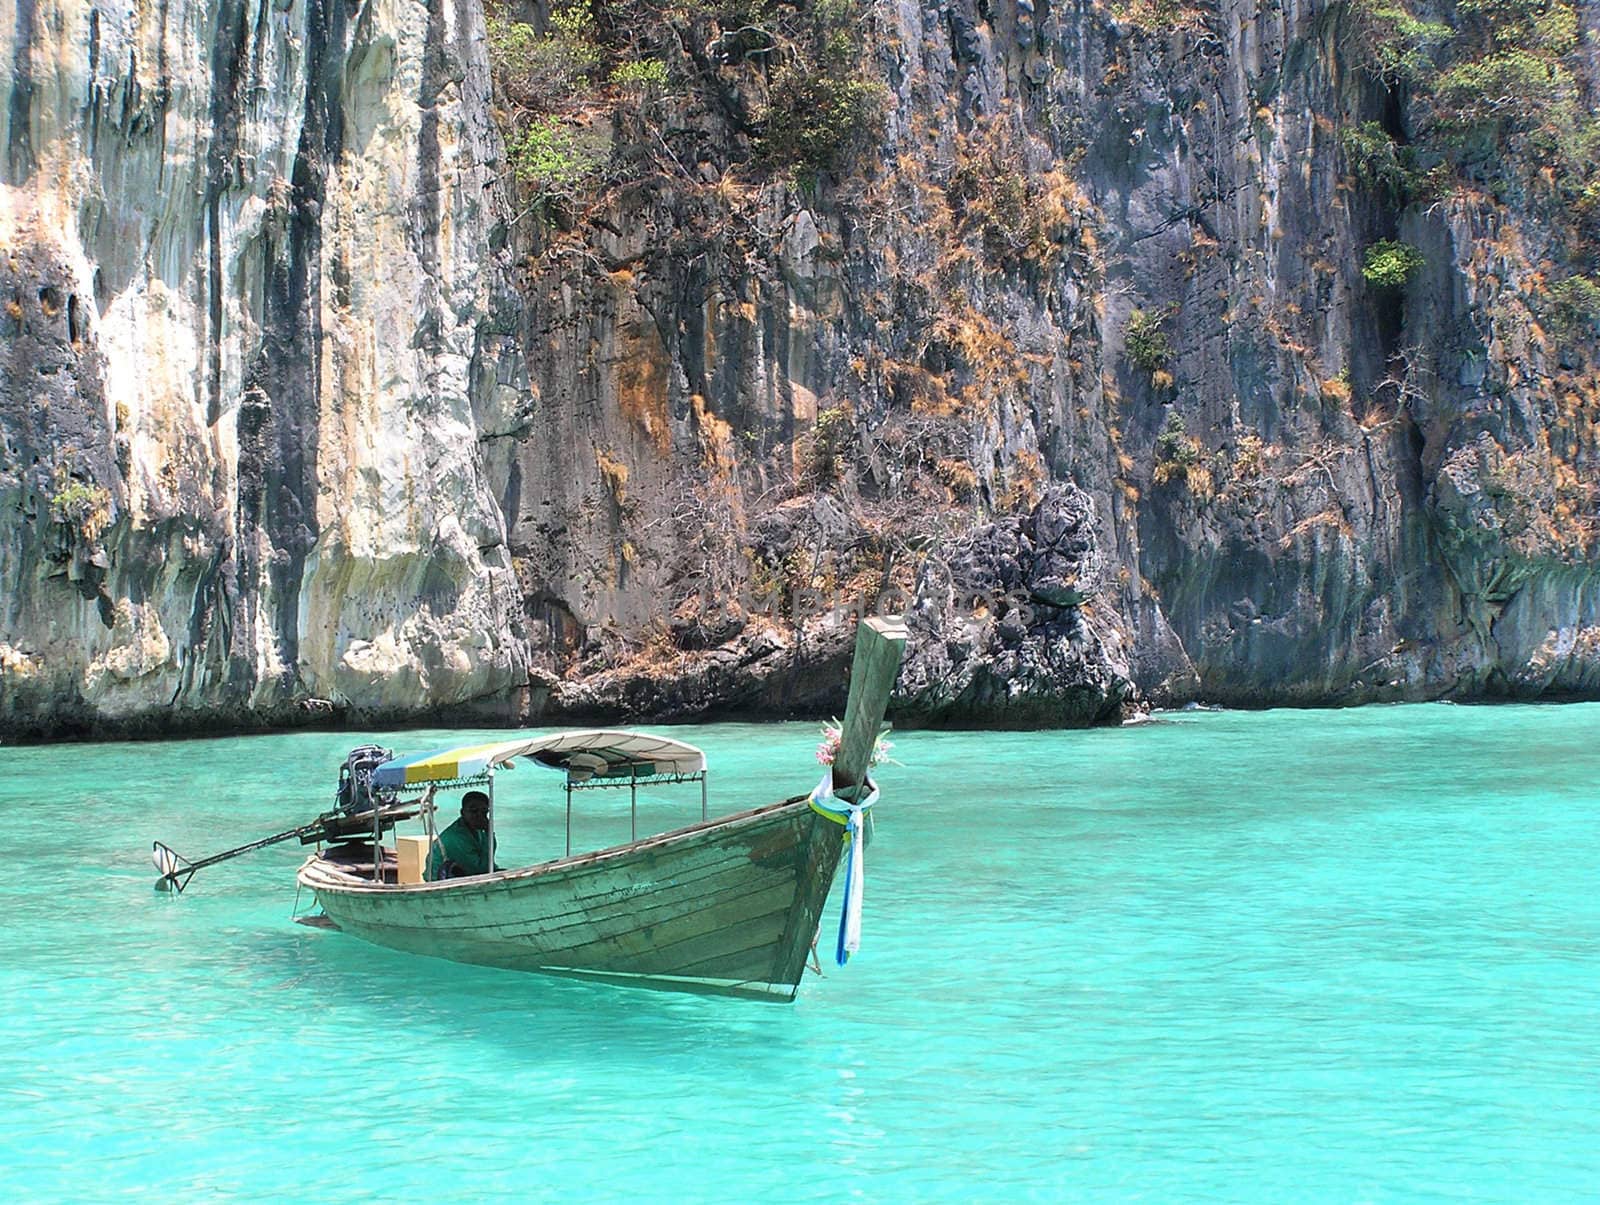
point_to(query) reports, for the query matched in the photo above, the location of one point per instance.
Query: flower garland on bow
(833, 734)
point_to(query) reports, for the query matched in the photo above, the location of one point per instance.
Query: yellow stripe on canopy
(445, 765)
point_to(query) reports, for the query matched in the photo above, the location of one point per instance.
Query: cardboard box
(413, 856)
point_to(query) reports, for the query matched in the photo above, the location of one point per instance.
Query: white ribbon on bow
(855, 878)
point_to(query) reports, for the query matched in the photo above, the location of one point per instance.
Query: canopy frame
(610, 758)
(633, 782)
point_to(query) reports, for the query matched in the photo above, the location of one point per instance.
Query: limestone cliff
(249, 348)
(359, 362)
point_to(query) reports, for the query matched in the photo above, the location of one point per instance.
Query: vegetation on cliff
(1489, 114)
(561, 81)
(1489, 97)
(964, 271)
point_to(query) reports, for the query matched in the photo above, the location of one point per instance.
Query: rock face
(1002, 631)
(249, 352)
(305, 411)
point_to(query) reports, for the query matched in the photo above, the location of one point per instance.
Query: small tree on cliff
(1389, 265)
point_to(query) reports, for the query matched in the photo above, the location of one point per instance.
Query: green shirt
(465, 852)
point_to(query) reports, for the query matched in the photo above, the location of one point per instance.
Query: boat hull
(729, 906)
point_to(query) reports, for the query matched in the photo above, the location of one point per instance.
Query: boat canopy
(589, 758)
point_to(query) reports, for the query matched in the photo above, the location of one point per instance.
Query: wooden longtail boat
(730, 905)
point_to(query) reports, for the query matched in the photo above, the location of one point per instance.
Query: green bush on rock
(1396, 45)
(552, 158)
(1146, 341)
(1389, 265)
(1378, 162)
(1573, 308)
(82, 506)
(641, 73)
(823, 109)
(537, 71)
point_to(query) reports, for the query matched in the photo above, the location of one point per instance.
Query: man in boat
(463, 848)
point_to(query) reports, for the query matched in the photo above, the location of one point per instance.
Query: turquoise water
(1342, 956)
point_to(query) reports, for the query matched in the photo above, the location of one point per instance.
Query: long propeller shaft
(176, 870)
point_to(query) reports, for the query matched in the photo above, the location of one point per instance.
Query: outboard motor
(355, 795)
(355, 798)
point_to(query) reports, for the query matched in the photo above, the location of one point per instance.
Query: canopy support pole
(489, 868)
(633, 806)
(702, 794)
(569, 817)
(377, 834)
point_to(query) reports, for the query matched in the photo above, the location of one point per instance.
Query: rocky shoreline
(1005, 633)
